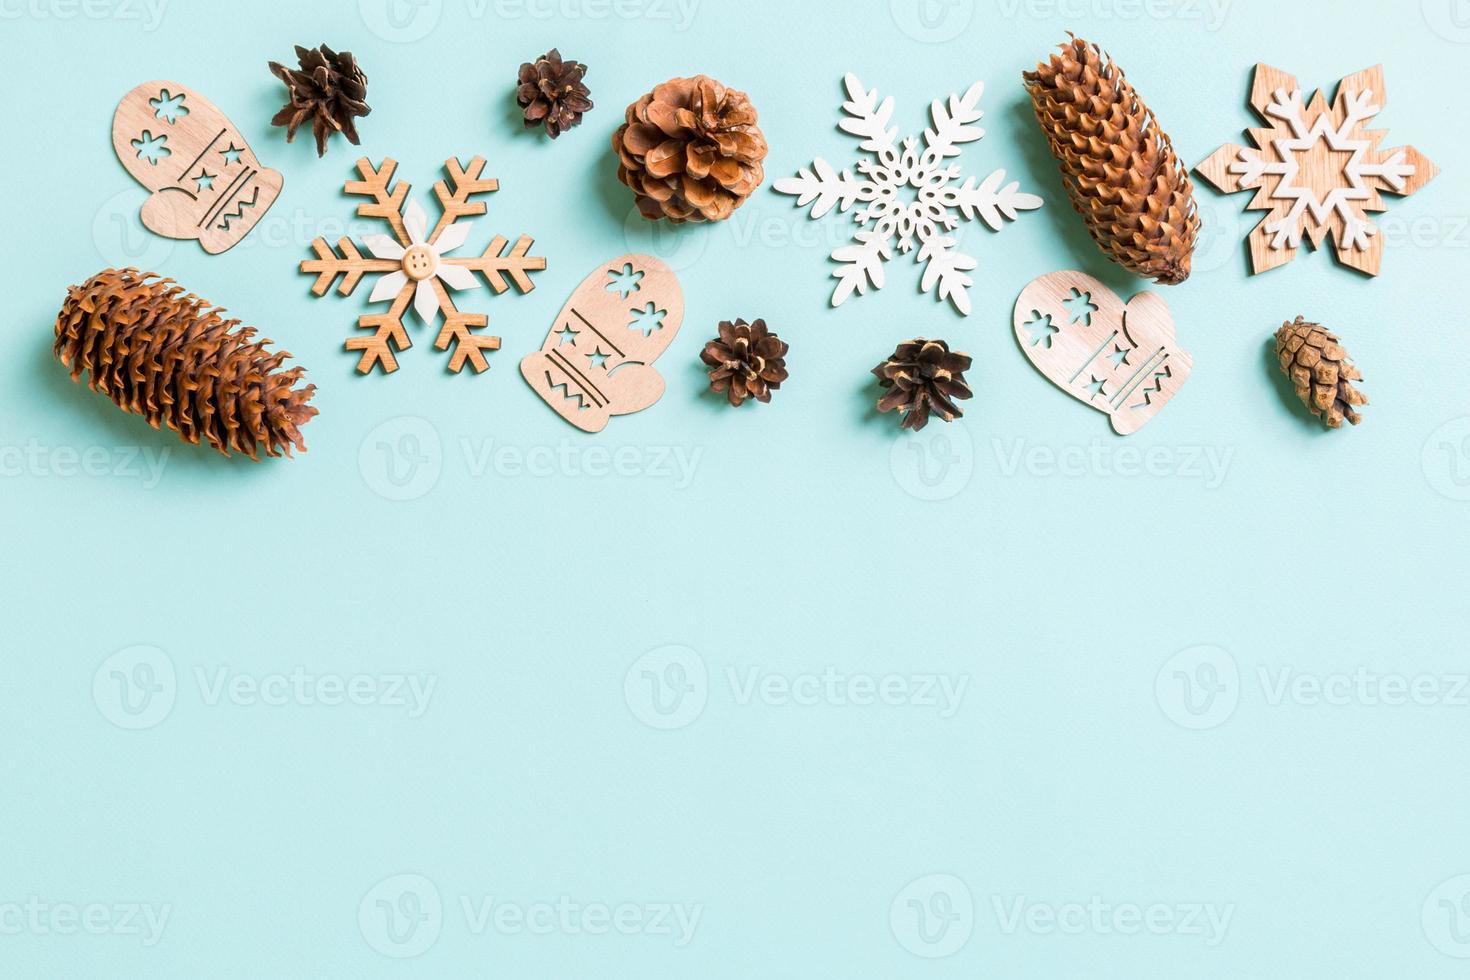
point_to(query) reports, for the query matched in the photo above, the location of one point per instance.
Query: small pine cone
(746, 361)
(923, 376)
(550, 93)
(169, 356)
(1118, 165)
(690, 150)
(329, 90)
(1321, 372)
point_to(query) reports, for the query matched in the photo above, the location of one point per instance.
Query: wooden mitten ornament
(1317, 169)
(1120, 358)
(597, 361)
(206, 182)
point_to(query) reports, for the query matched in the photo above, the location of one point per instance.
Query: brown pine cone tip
(746, 361)
(165, 354)
(1119, 167)
(550, 93)
(690, 150)
(1320, 371)
(329, 90)
(923, 377)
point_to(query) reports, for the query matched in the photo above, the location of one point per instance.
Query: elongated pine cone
(923, 377)
(167, 355)
(690, 150)
(745, 361)
(329, 90)
(1118, 165)
(1320, 371)
(551, 93)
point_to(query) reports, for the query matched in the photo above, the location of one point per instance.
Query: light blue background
(1068, 592)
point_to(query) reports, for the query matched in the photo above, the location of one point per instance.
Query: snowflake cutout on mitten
(1317, 169)
(908, 197)
(416, 269)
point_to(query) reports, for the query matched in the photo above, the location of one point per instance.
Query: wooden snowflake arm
(467, 183)
(1219, 170)
(350, 265)
(516, 263)
(387, 199)
(388, 335)
(458, 329)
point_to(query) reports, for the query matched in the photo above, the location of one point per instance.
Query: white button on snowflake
(421, 262)
(908, 196)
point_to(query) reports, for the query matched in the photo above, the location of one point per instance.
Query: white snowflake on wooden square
(908, 196)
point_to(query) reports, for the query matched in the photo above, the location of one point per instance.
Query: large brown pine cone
(691, 150)
(170, 357)
(1320, 371)
(329, 90)
(923, 376)
(746, 361)
(551, 93)
(1119, 167)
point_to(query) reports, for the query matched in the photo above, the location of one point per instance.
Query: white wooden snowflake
(1318, 169)
(908, 197)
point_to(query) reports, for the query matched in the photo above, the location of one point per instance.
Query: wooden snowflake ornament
(908, 196)
(1317, 169)
(415, 269)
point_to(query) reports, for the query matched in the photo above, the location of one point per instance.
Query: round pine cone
(329, 90)
(746, 361)
(1320, 371)
(551, 93)
(923, 376)
(1119, 167)
(691, 150)
(169, 356)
